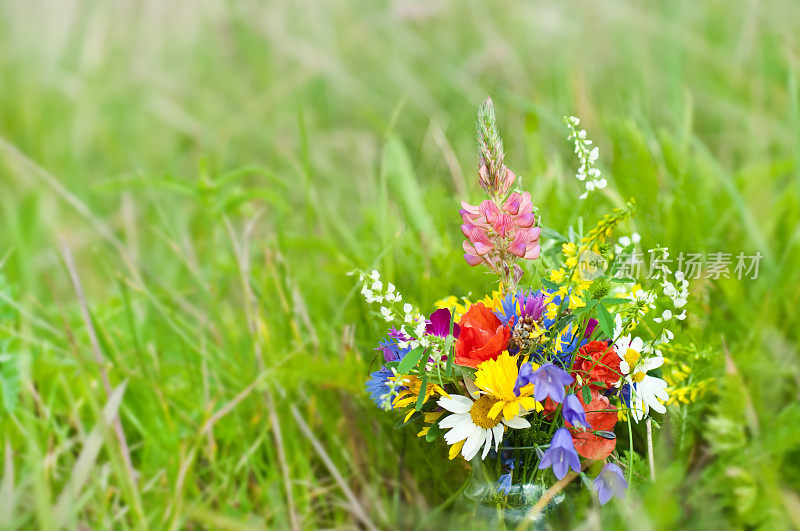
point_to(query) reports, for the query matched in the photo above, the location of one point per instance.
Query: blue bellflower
(573, 412)
(561, 455)
(548, 380)
(523, 377)
(504, 484)
(610, 482)
(504, 481)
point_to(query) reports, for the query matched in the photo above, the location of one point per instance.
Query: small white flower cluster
(588, 173)
(373, 291)
(625, 241)
(644, 299)
(677, 293)
(389, 298)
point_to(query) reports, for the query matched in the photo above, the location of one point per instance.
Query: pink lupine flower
(501, 229)
(477, 236)
(496, 230)
(526, 243)
(495, 184)
(520, 205)
(471, 255)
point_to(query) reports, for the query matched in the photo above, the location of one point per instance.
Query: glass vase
(482, 498)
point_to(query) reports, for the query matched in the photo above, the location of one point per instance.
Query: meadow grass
(185, 185)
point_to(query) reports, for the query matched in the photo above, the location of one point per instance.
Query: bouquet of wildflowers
(537, 377)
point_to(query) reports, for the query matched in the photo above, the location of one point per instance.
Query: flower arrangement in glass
(537, 379)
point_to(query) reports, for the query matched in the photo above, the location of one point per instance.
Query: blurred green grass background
(214, 170)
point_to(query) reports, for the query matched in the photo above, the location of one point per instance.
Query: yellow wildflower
(497, 378)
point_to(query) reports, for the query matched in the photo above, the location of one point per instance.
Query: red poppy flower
(483, 337)
(598, 362)
(601, 416)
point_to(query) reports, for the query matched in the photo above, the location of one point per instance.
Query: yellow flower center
(632, 357)
(480, 412)
(638, 377)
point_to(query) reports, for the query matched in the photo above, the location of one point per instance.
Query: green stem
(630, 453)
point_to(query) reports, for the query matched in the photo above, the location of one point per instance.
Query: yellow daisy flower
(497, 378)
(409, 395)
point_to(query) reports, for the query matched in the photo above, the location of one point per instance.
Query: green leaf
(587, 308)
(448, 346)
(433, 432)
(10, 384)
(587, 394)
(548, 284)
(448, 371)
(623, 280)
(403, 423)
(614, 300)
(564, 321)
(398, 170)
(547, 232)
(605, 319)
(410, 360)
(422, 389)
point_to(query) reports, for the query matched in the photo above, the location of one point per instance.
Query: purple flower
(519, 305)
(504, 483)
(561, 455)
(548, 380)
(590, 326)
(398, 334)
(573, 411)
(610, 482)
(439, 324)
(523, 377)
(531, 304)
(391, 350)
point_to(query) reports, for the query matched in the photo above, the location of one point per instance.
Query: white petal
(637, 344)
(652, 363)
(656, 405)
(451, 421)
(456, 403)
(460, 432)
(487, 446)
(472, 389)
(498, 435)
(517, 423)
(473, 444)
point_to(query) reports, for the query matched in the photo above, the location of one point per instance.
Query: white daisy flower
(646, 394)
(646, 390)
(633, 365)
(469, 426)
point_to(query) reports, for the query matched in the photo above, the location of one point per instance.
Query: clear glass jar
(482, 498)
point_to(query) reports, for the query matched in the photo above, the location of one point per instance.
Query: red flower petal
(482, 336)
(601, 416)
